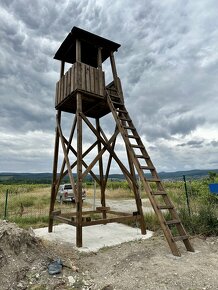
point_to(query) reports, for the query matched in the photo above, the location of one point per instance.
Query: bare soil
(146, 264)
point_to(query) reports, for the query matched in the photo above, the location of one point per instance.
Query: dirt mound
(24, 261)
(15, 241)
(20, 251)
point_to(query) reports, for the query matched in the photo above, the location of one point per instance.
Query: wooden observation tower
(81, 91)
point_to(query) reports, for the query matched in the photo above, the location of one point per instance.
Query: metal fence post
(6, 204)
(187, 197)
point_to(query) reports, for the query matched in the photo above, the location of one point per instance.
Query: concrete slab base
(94, 237)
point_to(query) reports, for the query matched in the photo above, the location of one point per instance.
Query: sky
(167, 63)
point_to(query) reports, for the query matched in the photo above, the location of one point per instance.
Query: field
(28, 204)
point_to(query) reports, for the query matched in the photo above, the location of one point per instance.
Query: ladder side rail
(120, 121)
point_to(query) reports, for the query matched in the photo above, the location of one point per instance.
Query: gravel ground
(146, 264)
(123, 205)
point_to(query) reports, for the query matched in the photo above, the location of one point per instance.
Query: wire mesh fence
(28, 204)
(18, 203)
(26, 201)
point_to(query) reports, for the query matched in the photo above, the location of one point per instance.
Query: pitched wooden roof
(89, 47)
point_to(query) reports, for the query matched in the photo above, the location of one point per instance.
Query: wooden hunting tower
(82, 92)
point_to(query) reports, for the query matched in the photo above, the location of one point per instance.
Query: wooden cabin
(86, 52)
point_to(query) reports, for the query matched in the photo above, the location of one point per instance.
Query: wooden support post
(100, 75)
(115, 76)
(79, 158)
(79, 173)
(54, 178)
(54, 187)
(78, 50)
(62, 69)
(137, 196)
(101, 174)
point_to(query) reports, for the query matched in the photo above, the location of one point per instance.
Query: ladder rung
(165, 206)
(159, 193)
(117, 103)
(136, 146)
(124, 119)
(142, 156)
(180, 238)
(121, 111)
(111, 89)
(153, 179)
(114, 95)
(130, 128)
(147, 168)
(172, 222)
(132, 136)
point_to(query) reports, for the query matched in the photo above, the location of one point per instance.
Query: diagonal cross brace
(83, 162)
(109, 149)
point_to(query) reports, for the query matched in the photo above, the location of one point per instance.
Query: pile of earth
(24, 261)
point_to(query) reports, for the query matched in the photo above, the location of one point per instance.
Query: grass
(203, 222)
(30, 221)
(28, 204)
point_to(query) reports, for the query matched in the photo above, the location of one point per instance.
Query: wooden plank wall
(80, 76)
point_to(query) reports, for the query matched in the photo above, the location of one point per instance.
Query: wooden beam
(100, 74)
(68, 148)
(54, 178)
(122, 166)
(137, 195)
(64, 220)
(55, 160)
(99, 60)
(110, 159)
(83, 162)
(111, 220)
(109, 163)
(95, 160)
(66, 157)
(101, 174)
(79, 172)
(118, 213)
(113, 67)
(78, 50)
(115, 76)
(62, 69)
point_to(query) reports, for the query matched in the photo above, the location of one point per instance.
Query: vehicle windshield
(68, 186)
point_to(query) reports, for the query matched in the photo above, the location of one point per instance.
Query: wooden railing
(80, 77)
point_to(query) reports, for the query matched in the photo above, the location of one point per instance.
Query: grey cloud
(155, 125)
(214, 143)
(184, 125)
(192, 143)
(167, 64)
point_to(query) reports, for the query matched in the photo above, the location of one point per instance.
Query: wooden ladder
(160, 201)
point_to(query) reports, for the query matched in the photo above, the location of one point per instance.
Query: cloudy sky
(167, 62)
